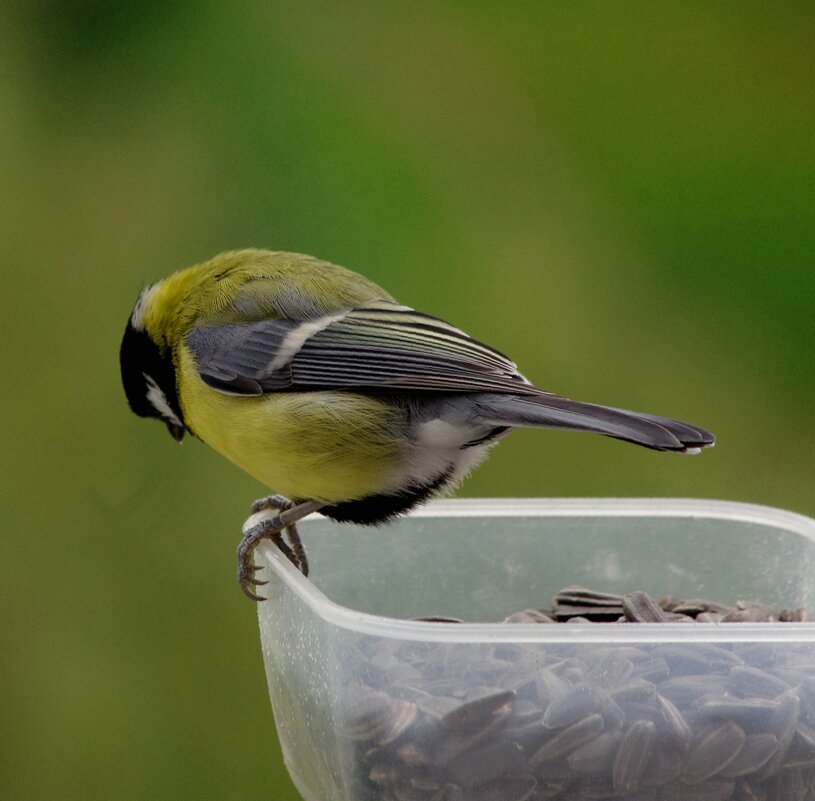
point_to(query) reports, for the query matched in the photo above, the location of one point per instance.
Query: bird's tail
(552, 411)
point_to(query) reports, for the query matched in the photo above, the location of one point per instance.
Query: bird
(318, 383)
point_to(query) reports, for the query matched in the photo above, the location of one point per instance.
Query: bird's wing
(383, 347)
(392, 348)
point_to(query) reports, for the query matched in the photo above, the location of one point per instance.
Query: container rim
(395, 628)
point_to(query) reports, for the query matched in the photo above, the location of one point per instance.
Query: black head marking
(148, 378)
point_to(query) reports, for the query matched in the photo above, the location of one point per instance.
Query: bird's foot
(296, 553)
(264, 525)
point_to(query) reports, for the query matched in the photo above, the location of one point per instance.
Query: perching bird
(319, 384)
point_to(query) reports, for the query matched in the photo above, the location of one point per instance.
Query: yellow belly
(323, 446)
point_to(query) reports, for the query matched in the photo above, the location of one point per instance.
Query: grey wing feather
(231, 358)
(383, 349)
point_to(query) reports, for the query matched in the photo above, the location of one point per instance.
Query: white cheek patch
(158, 400)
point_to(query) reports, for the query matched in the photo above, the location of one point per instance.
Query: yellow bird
(318, 383)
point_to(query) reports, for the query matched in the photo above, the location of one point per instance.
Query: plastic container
(373, 706)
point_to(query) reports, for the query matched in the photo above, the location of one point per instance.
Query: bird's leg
(260, 526)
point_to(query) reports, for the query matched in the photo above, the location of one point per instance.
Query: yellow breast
(323, 446)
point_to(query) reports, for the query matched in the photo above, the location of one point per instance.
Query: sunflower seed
(719, 658)
(640, 607)
(714, 751)
(523, 713)
(597, 755)
(549, 685)
(692, 607)
(752, 714)
(610, 671)
(576, 594)
(477, 712)
(743, 616)
(568, 739)
(749, 681)
(634, 690)
(653, 669)
(783, 725)
(677, 727)
(368, 714)
(785, 716)
(633, 755)
(685, 659)
(572, 706)
(403, 713)
(686, 690)
(755, 753)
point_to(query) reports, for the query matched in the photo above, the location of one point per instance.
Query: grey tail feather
(552, 411)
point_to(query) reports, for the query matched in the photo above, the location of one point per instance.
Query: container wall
(371, 712)
(298, 651)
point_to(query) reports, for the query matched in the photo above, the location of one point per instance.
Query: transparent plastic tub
(373, 706)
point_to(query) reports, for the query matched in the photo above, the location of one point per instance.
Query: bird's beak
(176, 431)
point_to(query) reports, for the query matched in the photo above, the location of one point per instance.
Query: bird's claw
(269, 529)
(246, 569)
(251, 595)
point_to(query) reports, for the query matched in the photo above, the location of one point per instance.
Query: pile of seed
(431, 721)
(580, 605)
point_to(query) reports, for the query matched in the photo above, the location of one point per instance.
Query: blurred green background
(619, 195)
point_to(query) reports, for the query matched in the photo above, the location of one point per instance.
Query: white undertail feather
(439, 447)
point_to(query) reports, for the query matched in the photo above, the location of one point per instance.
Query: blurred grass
(619, 195)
